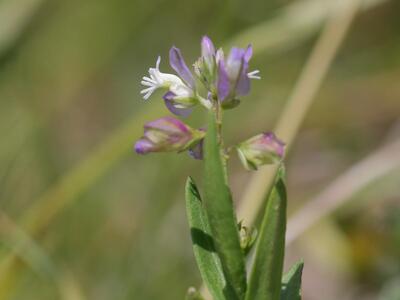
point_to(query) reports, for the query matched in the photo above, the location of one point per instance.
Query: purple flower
(223, 79)
(167, 134)
(179, 99)
(178, 64)
(264, 148)
(158, 80)
(233, 74)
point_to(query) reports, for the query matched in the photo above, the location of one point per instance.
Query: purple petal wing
(207, 47)
(234, 63)
(178, 64)
(238, 67)
(248, 53)
(236, 54)
(197, 151)
(243, 82)
(223, 84)
(169, 103)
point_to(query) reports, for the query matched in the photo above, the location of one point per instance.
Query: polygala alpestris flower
(264, 148)
(180, 96)
(233, 73)
(168, 134)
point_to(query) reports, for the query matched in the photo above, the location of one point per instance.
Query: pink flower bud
(264, 148)
(167, 134)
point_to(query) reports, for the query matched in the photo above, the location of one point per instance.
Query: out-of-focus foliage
(113, 225)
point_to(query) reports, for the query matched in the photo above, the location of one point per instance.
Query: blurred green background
(84, 217)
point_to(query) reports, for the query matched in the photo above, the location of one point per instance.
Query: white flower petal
(145, 78)
(147, 83)
(148, 90)
(253, 74)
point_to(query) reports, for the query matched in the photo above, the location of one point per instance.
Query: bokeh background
(84, 217)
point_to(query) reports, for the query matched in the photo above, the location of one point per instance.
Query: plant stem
(218, 119)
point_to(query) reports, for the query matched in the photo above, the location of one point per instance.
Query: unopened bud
(167, 134)
(261, 149)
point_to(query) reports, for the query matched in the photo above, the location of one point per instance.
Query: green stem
(218, 120)
(220, 211)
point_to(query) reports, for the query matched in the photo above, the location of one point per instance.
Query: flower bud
(208, 53)
(264, 148)
(167, 134)
(193, 294)
(247, 237)
(205, 66)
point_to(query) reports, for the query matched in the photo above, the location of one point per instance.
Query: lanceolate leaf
(265, 280)
(220, 213)
(203, 245)
(291, 283)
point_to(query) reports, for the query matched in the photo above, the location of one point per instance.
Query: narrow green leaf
(291, 283)
(219, 209)
(203, 245)
(266, 275)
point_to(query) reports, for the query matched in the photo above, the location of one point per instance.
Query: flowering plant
(220, 243)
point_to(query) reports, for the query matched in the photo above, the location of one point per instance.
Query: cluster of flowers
(224, 79)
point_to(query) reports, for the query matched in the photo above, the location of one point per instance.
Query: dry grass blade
(25, 248)
(299, 103)
(71, 186)
(14, 16)
(31, 254)
(293, 24)
(382, 162)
